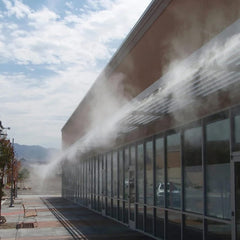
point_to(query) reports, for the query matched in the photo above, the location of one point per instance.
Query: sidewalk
(58, 219)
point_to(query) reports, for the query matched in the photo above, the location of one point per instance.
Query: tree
(6, 158)
(23, 174)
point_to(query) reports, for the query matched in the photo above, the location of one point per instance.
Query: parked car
(173, 195)
(171, 188)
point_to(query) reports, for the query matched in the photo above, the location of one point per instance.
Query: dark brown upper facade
(167, 31)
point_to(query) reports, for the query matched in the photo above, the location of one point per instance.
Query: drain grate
(25, 225)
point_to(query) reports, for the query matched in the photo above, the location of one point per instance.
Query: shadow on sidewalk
(84, 224)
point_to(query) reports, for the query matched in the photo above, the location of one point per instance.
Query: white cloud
(16, 8)
(69, 5)
(70, 45)
(36, 114)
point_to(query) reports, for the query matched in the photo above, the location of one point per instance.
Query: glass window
(125, 212)
(97, 176)
(193, 173)
(126, 173)
(94, 175)
(237, 129)
(133, 156)
(149, 172)
(109, 206)
(120, 210)
(149, 220)
(237, 191)
(173, 171)
(159, 171)
(104, 175)
(89, 182)
(114, 208)
(218, 231)
(237, 132)
(132, 191)
(140, 174)
(99, 208)
(114, 177)
(140, 215)
(173, 226)
(218, 168)
(193, 228)
(160, 215)
(120, 176)
(109, 173)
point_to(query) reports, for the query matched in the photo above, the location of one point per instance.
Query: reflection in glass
(149, 220)
(114, 173)
(173, 226)
(237, 132)
(132, 189)
(125, 212)
(97, 175)
(104, 175)
(159, 223)
(173, 171)
(140, 215)
(114, 208)
(193, 174)
(104, 203)
(93, 190)
(120, 210)
(132, 192)
(237, 190)
(120, 176)
(109, 206)
(100, 174)
(133, 155)
(159, 171)
(193, 228)
(99, 207)
(84, 180)
(140, 174)
(218, 231)
(149, 172)
(88, 183)
(126, 173)
(218, 169)
(109, 173)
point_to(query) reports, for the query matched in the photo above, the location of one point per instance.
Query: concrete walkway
(58, 219)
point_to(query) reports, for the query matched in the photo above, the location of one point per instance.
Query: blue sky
(51, 53)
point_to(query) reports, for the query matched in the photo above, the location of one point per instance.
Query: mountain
(35, 153)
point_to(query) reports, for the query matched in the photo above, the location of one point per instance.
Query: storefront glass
(193, 171)
(218, 168)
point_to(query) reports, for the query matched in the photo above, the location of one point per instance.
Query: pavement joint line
(76, 234)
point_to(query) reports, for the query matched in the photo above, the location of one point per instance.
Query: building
(158, 134)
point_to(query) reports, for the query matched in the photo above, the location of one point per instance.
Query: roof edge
(152, 12)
